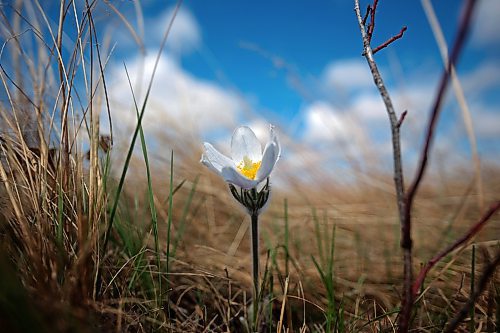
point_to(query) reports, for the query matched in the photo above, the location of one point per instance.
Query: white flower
(248, 165)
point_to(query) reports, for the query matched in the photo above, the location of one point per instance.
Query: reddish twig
(371, 26)
(470, 233)
(368, 10)
(487, 273)
(390, 40)
(457, 48)
(402, 118)
(406, 241)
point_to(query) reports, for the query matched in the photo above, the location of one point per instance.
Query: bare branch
(406, 243)
(405, 201)
(388, 104)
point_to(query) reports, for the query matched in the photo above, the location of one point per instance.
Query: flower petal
(231, 175)
(214, 160)
(274, 138)
(271, 156)
(245, 143)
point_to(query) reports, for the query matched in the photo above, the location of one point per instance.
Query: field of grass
(103, 235)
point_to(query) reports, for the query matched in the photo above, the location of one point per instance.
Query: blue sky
(238, 39)
(298, 64)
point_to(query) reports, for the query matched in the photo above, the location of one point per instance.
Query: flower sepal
(252, 199)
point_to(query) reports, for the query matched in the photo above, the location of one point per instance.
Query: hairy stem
(255, 263)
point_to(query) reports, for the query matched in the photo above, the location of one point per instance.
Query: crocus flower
(247, 168)
(248, 165)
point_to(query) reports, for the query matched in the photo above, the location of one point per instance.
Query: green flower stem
(255, 261)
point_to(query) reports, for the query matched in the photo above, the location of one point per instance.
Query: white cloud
(324, 123)
(369, 107)
(178, 101)
(484, 76)
(347, 74)
(360, 130)
(185, 35)
(261, 129)
(486, 122)
(486, 23)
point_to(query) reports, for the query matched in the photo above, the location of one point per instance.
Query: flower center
(249, 168)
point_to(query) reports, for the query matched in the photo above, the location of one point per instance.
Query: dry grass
(56, 202)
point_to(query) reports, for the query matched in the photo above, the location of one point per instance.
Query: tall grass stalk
(287, 253)
(136, 131)
(472, 283)
(185, 213)
(169, 221)
(271, 302)
(326, 272)
(319, 238)
(152, 206)
(60, 215)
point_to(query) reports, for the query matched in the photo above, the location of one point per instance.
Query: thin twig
(402, 118)
(424, 155)
(371, 27)
(487, 273)
(429, 137)
(368, 10)
(398, 173)
(462, 103)
(470, 233)
(390, 40)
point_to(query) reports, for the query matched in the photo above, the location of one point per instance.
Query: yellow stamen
(248, 168)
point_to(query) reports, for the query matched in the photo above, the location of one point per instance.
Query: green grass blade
(332, 252)
(185, 212)
(319, 239)
(136, 131)
(287, 253)
(60, 215)
(318, 268)
(170, 210)
(152, 207)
